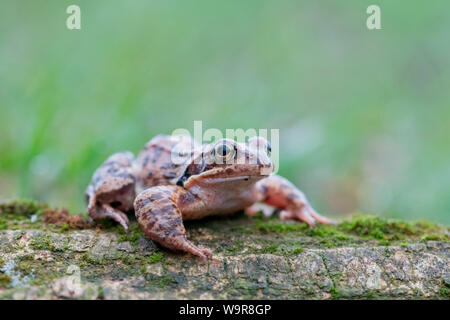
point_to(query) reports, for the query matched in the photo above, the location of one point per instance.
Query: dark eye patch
(269, 148)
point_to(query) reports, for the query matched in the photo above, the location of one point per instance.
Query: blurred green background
(364, 116)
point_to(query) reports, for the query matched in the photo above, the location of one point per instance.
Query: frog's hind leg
(97, 210)
(112, 189)
(282, 194)
(158, 213)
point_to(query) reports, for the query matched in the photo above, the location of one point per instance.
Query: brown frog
(175, 179)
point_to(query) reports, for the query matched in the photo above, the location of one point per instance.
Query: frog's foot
(159, 216)
(101, 211)
(202, 252)
(305, 214)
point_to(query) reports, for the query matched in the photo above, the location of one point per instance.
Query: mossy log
(255, 258)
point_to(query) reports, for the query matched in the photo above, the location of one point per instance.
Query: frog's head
(229, 161)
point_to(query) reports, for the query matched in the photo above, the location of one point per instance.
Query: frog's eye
(224, 152)
(269, 149)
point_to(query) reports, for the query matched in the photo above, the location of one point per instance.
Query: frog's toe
(306, 214)
(301, 215)
(321, 219)
(123, 221)
(202, 252)
(207, 252)
(106, 211)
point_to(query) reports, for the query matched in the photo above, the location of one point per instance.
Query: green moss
(384, 242)
(241, 230)
(166, 281)
(24, 267)
(3, 224)
(432, 237)
(277, 226)
(381, 229)
(445, 293)
(325, 231)
(289, 251)
(17, 215)
(134, 238)
(42, 243)
(25, 208)
(327, 236)
(309, 292)
(370, 294)
(282, 249)
(5, 280)
(127, 237)
(238, 246)
(101, 294)
(356, 230)
(270, 249)
(156, 257)
(134, 234)
(297, 250)
(90, 260)
(128, 259)
(335, 294)
(45, 242)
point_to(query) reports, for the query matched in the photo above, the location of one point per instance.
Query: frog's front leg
(282, 194)
(159, 213)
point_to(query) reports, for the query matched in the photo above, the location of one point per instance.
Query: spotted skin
(112, 190)
(155, 165)
(159, 213)
(217, 179)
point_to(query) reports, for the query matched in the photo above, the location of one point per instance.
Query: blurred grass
(363, 115)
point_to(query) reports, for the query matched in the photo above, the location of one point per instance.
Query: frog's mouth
(216, 175)
(213, 173)
(226, 179)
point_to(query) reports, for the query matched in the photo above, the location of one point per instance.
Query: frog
(175, 179)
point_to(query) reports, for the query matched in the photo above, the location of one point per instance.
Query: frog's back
(155, 165)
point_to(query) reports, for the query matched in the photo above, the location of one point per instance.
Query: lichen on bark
(365, 257)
